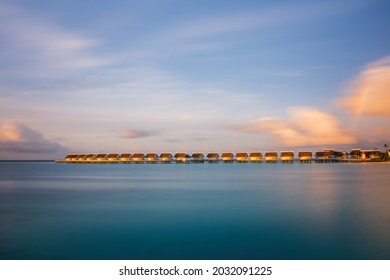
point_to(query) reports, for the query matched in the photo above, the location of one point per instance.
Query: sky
(188, 76)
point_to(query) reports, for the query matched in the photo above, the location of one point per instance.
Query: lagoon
(194, 211)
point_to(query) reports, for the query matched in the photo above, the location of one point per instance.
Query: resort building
(182, 157)
(227, 157)
(242, 157)
(101, 157)
(81, 157)
(125, 157)
(371, 154)
(321, 156)
(71, 157)
(287, 156)
(213, 157)
(305, 156)
(340, 154)
(271, 157)
(327, 155)
(90, 157)
(255, 157)
(335, 155)
(198, 157)
(113, 157)
(152, 158)
(138, 158)
(166, 158)
(355, 153)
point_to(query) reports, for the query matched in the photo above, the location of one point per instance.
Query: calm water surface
(194, 211)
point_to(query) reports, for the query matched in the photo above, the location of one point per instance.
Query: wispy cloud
(135, 133)
(38, 48)
(303, 127)
(208, 33)
(370, 92)
(16, 137)
(258, 18)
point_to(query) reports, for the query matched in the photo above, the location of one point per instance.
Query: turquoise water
(194, 211)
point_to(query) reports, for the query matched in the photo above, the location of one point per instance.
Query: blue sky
(156, 76)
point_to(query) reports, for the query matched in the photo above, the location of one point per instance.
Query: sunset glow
(157, 76)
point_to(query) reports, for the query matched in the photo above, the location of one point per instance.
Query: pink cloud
(370, 92)
(304, 127)
(135, 133)
(16, 137)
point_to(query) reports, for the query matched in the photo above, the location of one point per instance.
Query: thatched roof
(339, 154)
(271, 154)
(231, 155)
(355, 152)
(305, 154)
(113, 156)
(73, 156)
(90, 155)
(242, 155)
(287, 154)
(166, 155)
(82, 156)
(212, 155)
(138, 155)
(322, 154)
(180, 155)
(101, 156)
(255, 154)
(125, 156)
(372, 152)
(197, 155)
(152, 155)
(330, 151)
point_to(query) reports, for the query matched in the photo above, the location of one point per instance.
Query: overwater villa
(125, 157)
(327, 155)
(227, 157)
(255, 157)
(340, 154)
(166, 157)
(113, 157)
(138, 158)
(372, 154)
(305, 156)
(81, 157)
(152, 158)
(71, 157)
(198, 157)
(181, 157)
(287, 156)
(321, 156)
(271, 157)
(355, 153)
(101, 157)
(213, 157)
(90, 157)
(242, 157)
(335, 155)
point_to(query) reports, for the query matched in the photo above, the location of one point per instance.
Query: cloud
(370, 92)
(200, 32)
(16, 137)
(303, 127)
(30, 44)
(135, 133)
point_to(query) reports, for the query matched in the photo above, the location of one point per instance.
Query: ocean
(194, 211)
